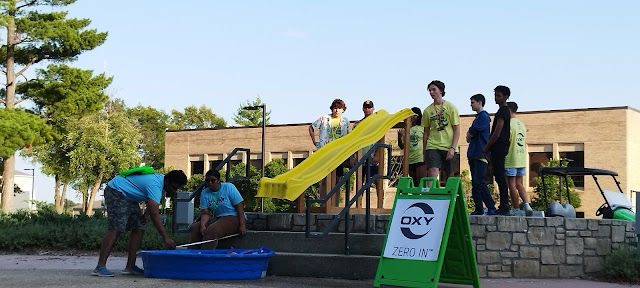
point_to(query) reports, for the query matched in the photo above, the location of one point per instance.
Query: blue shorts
(514, 171)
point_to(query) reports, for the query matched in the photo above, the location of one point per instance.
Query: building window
(197, 167)
(297, 161)
(576, 159)
(536, 159)
(257, 163)
(214, 164)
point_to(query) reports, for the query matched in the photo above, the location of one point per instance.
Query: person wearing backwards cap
(367, 109)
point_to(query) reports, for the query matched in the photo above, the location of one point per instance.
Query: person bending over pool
(222, 212)
(121, 197)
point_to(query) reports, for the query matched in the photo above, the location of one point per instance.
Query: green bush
(25, 230)
(622, 265)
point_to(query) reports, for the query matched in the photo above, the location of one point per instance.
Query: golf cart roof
(575, 171)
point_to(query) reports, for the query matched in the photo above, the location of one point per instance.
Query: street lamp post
(33, 183)
(263, 106)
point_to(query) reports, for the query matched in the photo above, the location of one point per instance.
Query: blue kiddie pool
(218, 264)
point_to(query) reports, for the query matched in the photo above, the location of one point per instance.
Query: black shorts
(438, 159)
(414, 166)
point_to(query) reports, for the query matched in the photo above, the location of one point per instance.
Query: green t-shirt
(335, 131)
(517, 157)
(415, 144)
(440, 120)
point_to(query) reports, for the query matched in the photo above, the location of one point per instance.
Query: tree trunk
(9, 163)
(84, 197)
(94, 191)
(56, 196)
(64, 196)
(7, 184)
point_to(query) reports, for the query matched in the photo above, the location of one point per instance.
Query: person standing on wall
(477, 137)
(498, 145)
(441, 124)
(515, 164)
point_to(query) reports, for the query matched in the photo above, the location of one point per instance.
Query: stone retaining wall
(520, 247)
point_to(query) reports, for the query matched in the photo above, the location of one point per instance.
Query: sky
(300, 55)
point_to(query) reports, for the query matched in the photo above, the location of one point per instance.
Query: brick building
(603, 138)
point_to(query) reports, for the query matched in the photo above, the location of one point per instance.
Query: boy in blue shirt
(477, 137)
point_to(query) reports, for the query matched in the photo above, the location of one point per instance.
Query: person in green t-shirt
(515, 163)
(417, 168)
(441, 124)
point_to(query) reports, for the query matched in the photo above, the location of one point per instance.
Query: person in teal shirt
(122, 196)
(222, 212)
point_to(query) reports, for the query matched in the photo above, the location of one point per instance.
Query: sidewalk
(74, 271)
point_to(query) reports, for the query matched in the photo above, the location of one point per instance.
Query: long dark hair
(419, 113)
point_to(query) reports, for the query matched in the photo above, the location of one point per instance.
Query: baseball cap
(367, 104)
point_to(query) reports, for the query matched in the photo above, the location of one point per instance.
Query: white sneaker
(516, 212)
(528, 211)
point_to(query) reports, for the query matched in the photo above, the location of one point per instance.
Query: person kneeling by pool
(220, 202)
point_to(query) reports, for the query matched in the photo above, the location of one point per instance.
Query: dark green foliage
(248, 187)
(271, 170)
(19, 128)
(553, 189)
(47, 230)
(191, 186)
(251, 117)
(61, 92)
(622, 265)
(152, 125)
(195, 118)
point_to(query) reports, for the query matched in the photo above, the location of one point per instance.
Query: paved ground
(74, 271)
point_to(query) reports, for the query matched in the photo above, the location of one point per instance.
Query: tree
(33, 37)
(152, 124)
(251, 117)
(100, 145)
(60, 94)
(195, 118)
(18, 129)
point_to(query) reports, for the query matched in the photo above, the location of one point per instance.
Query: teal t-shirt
(139, 187)
(223, 200)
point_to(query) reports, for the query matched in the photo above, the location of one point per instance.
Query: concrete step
(325, 257)
(296, 242)
(323, 265)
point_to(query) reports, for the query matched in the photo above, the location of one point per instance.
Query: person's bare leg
(134, 244)
(521, 190)
(105, 247)
(513, 192)
(432, 172)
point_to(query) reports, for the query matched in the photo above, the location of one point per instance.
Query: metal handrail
(344, 213)
(198, 190)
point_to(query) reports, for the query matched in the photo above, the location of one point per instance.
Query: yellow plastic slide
(293, 183)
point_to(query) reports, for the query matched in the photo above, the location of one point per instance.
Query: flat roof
(462, 115)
